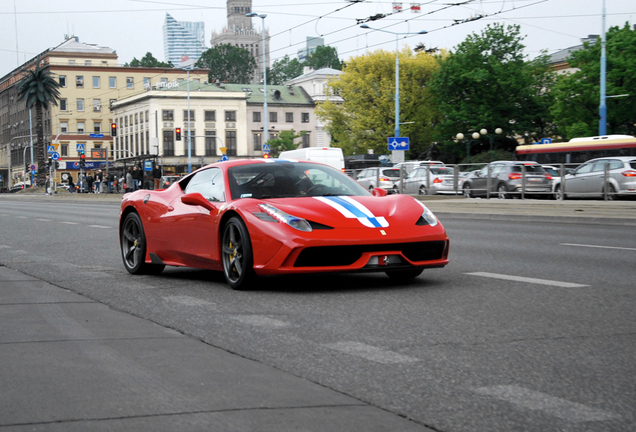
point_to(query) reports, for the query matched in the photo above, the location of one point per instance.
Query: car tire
(558, 193)
(611, 193)
(468, 191)
(237, 257)
(396, 190)
(404, 275)
(133, 247)
(422, 191)
(502, 192)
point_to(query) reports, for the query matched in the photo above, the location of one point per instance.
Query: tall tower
(241, 33)
(182, 39)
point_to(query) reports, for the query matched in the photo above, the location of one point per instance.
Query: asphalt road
(531, 327)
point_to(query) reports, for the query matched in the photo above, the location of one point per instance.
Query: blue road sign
(55, 156)
(96, 135)
(224, 158)
(399, 143)
(79, 147)
(266, 147)
(147, 165)
(50, 149)
(546, 140)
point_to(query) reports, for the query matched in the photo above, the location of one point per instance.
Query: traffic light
(178, 134)
(49, 162)
(113, 129)
(57, 164)
(82, 156)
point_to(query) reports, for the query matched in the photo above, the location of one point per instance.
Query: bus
(578, 150)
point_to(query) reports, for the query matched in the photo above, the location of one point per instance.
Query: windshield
(290, 179)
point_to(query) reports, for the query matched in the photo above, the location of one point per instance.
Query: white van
(327, 155)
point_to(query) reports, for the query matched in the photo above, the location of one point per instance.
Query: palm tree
(39, 89)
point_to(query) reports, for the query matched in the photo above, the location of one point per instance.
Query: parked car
(378, 177)
(555, 172)
(432, 179)
(409, 166)
(18, 187)
(506, 180)
(588, 179)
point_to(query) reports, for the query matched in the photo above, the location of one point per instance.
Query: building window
(289, 117)
(97, 127)
(64, 150)
(62, 80)
(80, 127)
(168, 143)
(273, 117)
(305, 117)
(87, 63)
(210, 143)
(230, 116)
(167, 115)
(256, 116)
(305, 138)
(112, 82)
(147, 84)
(130, 82)
(97, 105)
(185, 115)
(273, 136)
(80, 104)
(126, 121)
(63, 105)
(71, 62)
(257, 142)
(79, 81)
(210, 116)
(230, 142)
(147, 117)
(63, 126)
(96, 82)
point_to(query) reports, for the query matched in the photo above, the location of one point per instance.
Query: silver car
(588, 179)
(506, 179)
(433, 179)
(378, 177)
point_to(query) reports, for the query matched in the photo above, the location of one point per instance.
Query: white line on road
(23, 217)
(260, 321)
(372, 353)
(5, 247)
(529, 280)
(98, 226)
(596, 246)
(44, 220)
(70, 223)
(557, 407)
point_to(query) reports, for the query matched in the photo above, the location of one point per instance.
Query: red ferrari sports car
(252, 218)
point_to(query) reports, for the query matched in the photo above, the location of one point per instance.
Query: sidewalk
(73, 364)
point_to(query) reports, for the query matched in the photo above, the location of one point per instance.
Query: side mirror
(379, 192)
(196, 199)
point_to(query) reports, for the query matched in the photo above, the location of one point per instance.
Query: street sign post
(399, 143)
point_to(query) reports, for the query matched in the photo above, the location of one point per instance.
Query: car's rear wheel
(468, 192)
(422, 191)
(558, 193)
(238, 261)
(404, 275)
(502, 192)
(611, 193)
(133, 247)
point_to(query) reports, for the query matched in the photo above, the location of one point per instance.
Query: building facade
(241, 33)
(182, 40)
(90, 81)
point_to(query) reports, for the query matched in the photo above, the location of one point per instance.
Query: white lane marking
(98, 226)
(372, 353)
(44, 220)
(557, 407)
(23, 217)
(188, 301)
(5, 247)
(596, 246)
(260, 321)
(529, 280)
(70, 223)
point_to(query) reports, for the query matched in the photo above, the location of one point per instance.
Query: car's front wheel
(133, 247)
(422, 191)
(238, 261)
(611, 192)
(468, 192)
(558, 193)
(502, 192)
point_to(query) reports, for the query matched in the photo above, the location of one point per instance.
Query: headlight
(427, 216)
(295, 222)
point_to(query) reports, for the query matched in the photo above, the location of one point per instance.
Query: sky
(135, 27)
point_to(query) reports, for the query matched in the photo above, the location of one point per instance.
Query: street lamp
(265, 130)
(498, 131)
(397, 74)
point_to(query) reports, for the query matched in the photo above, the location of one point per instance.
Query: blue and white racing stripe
(351, 209)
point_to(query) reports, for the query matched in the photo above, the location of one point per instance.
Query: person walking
(71, 185)
(156, 176)
(89, 181)
(129, 180)
(98, 181)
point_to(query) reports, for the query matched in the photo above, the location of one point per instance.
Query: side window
(585, 168)
(615, 164)
(208, 183)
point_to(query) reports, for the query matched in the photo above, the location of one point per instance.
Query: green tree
(284, 142)
(39, 89)
(324, 57)
(365, 118)
(283, 70)
(576, 109)
(148, 61)
(228, 63)
(486, 83)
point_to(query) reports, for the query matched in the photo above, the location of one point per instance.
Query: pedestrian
(98, 181)
(71, 185)
(129, 180)
(47, 186)
(138, 177)
(156, 176)
(89, 181)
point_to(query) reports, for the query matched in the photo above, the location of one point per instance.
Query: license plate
(534, 179)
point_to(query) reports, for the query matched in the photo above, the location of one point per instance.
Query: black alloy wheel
(238, 261)
(133, 247)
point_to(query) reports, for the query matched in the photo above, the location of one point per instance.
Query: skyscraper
(182, 39)
(241, 33)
